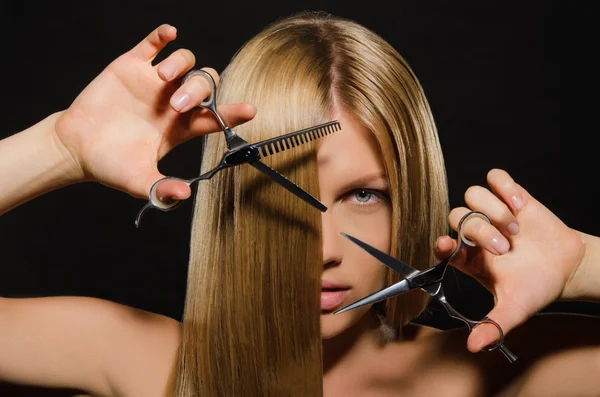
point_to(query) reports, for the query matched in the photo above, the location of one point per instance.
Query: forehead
(353, 148)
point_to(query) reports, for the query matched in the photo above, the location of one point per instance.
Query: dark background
(491, 70)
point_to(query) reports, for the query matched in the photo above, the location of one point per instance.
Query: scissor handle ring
(210, 101)
(155, 202)
(500, 341)
(461, 233)
(159, 204)
(499, 344)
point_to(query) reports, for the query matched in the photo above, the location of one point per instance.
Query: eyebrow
(367, 181)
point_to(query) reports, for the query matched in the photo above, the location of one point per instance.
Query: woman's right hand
(134, 113)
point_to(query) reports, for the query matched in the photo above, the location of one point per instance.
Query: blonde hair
(251, 319)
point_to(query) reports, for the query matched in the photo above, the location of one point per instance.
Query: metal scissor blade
(402, 268)
(392, 290)
(287, 184)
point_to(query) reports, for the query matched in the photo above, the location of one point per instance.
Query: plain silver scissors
(429, 280)
(241, 152)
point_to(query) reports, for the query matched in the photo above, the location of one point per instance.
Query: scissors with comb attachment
(242, 152)
(429, 280)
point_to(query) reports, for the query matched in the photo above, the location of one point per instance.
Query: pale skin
(107, 349)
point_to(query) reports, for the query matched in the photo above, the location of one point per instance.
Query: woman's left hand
(527, 258)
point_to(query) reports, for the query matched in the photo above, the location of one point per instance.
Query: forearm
(32, 163)
(585, 283)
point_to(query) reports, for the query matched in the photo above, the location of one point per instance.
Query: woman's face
(354, 187)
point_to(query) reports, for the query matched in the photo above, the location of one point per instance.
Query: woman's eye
(363, 196)
(366, 196)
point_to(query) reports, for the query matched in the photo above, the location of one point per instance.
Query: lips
(332, 295)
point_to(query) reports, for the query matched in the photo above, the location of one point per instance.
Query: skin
(356, 195)
(107, 349)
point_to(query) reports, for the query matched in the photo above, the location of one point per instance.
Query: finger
(505, 187)
(176, 64)
(481, 232)
(481, 199)
(203, 122)
(444, 246)
(506, 316)
(147, 49)
(195, 90)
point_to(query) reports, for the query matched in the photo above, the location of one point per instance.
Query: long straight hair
(251, 319)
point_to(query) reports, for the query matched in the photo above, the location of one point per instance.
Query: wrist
(583, 284)
(68, 167)
(33, 162)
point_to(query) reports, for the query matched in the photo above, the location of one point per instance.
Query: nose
(332, 241)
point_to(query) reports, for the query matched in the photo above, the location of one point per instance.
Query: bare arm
(114, 133)
(117, 130)
(32, 163)
(84, 343)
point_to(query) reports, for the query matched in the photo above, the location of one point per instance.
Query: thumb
(168, 190)
(486, 334)
(171, 190)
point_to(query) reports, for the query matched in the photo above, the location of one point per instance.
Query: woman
(257, 278)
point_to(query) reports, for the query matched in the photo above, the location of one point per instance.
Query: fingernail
(179, 101)
(501, 245)
(168, 71)
(517, 202)
(513, 228)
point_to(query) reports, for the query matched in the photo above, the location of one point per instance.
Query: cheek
(373, 227)
(370, 272)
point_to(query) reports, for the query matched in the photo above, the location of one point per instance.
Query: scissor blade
(289, 185)
(402, 268)
(296, 138)
(392, 290)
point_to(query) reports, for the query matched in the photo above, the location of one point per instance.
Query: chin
(332, 325)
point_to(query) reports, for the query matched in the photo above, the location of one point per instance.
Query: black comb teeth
(296, 138)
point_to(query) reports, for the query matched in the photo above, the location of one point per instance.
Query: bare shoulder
(545, 335)
(569, 372)
(557, 353)
(560, 355)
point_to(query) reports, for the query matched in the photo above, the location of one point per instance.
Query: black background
(491, 70)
